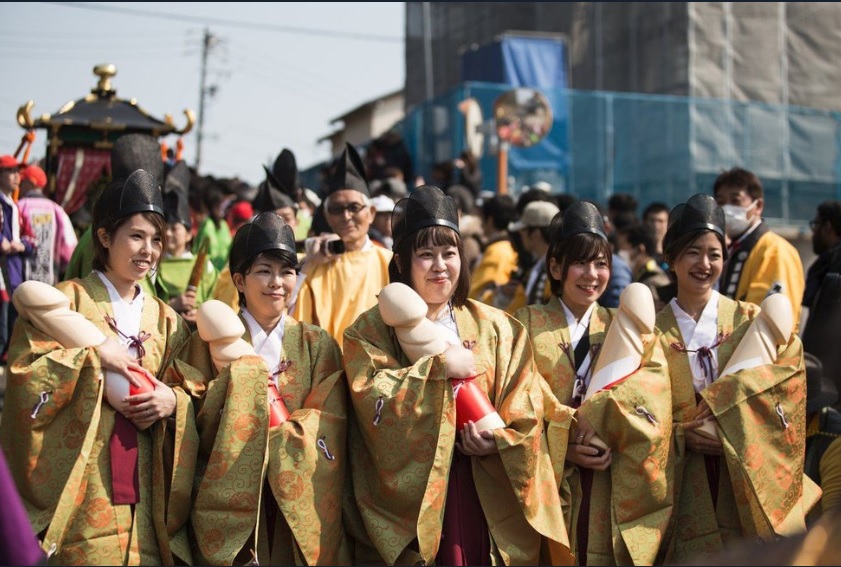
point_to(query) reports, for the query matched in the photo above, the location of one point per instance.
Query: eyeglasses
(353, 208)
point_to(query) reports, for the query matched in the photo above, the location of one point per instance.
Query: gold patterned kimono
(59, 451)
(291, 477)
(761, 417)
(403, 434)
(631, 502)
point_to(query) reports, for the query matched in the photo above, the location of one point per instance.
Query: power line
(335, 34)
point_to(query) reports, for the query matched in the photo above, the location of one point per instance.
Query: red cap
(8, 162)
(34, 175)
(241, 211)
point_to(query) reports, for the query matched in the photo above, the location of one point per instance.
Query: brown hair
(100, 253)
(400, 268)
(584, 247)
(741, 178)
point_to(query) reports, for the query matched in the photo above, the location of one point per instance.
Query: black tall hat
(138, 193)
(136, 151)
(266, 232)
(582, 218)
(175, 195)
(426, 206)
(700, 212)
(349, 173)
(280, 189)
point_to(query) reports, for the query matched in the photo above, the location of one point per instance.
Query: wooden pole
(502, 169)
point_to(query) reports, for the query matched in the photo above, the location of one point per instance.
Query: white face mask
(736, 219)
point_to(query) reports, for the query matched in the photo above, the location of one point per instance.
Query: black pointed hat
(138, 193)
(266, 232)
(175, 195)
(426, 206)
(699, 213)
(349, 173)
(136, 151)
(280, 189)
(582, 217)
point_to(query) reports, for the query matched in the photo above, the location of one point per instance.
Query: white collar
(267, 345)
(115, 296)
(697, 334)
(577, 328)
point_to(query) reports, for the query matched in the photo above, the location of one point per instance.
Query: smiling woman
(447, 495)
(93, 481)
(567, 334)
(294, 469)
(722, 490)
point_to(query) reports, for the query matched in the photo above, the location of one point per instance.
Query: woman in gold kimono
(271, 494)
(747, 480)
(618, 498)
(107, 485)
(426, 492)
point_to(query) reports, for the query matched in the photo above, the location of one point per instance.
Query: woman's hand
(579, 450)
(147, 408)
(476, 443)
(114, 355)
(460, 362)
(697, 442)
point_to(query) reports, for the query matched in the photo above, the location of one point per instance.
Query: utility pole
(207, 43)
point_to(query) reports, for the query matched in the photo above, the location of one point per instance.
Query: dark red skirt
(464, 534)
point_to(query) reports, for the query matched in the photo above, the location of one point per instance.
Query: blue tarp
(518, 61)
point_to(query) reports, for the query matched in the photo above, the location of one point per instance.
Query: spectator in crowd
(620, 203)
(179, 281)
(761, 262)
(338, 284)
(17, 245)
(620, 271)
(656, 217)
(823, 437)
(745, 479)
(213, 228)
(380, 231)
(534, 288)
(823, 290)
(499, 259)
(637, 249)
(427, 492)
(55, 239)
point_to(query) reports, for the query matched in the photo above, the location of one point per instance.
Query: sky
(279, 72)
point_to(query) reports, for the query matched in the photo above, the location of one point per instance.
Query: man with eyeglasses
(823, 291)
(338, 283)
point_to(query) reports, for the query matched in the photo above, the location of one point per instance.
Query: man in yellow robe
(339, 286)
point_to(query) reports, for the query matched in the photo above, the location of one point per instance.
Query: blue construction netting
(658, 148)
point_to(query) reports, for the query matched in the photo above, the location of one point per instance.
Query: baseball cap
(8, 162)
(537, 214)
(383, 204)
(34, 175)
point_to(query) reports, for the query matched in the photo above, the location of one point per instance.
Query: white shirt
(702, 333)
(577, 328)
(267, 345)
(447, 322)
(127, 314)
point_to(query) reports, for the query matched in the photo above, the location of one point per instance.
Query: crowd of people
(334, 438)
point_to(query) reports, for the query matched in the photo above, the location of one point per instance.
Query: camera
(335, 247)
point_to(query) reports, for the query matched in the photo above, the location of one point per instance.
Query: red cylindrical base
(277, 409)
(472, 404)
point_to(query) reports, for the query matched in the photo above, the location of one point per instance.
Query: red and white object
(118, 388)
(403, 309)
(472, 404)
(222, 330)
(277, 409)
(48, 310)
